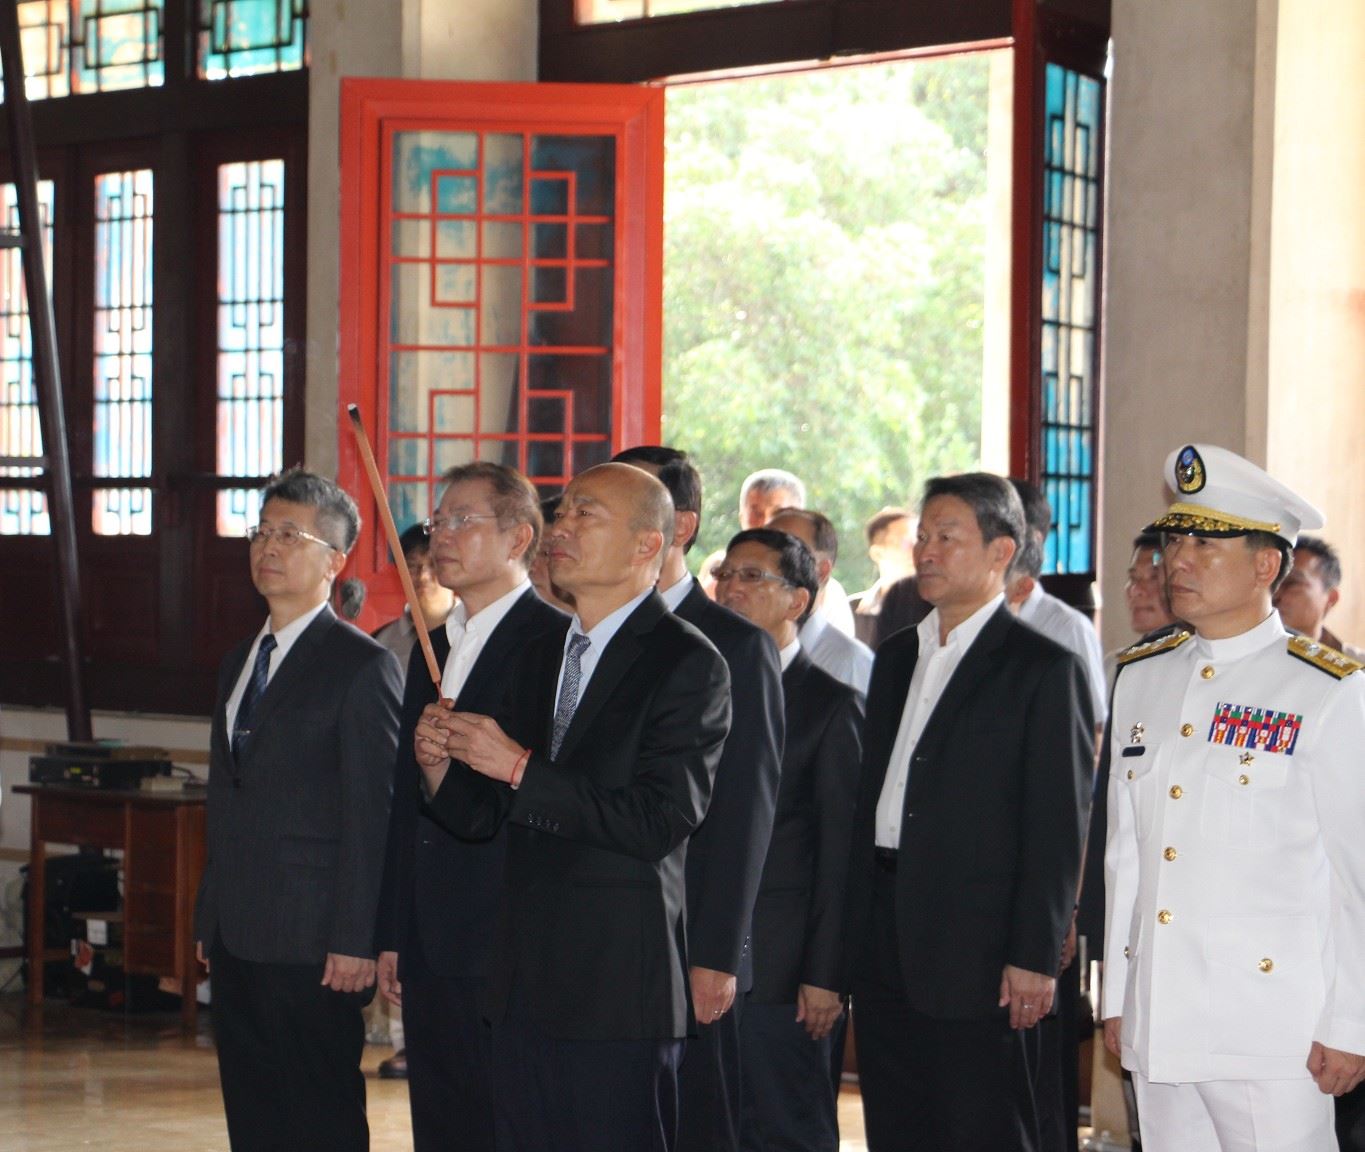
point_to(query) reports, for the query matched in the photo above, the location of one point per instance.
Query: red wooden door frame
(370, 111)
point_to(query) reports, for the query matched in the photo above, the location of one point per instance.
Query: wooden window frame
(164, 660)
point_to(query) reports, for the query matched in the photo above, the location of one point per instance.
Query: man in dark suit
(789, 1098)
(440, 893)
(601, 770)
(298, 803)
(725, 855)
(966, 854)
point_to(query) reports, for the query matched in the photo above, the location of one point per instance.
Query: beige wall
(420, 39)
(1315, 419)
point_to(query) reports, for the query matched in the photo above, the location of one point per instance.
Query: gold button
(1207, 671)
(1125, 951)
(1170, 854)
(1164, 916)
(1130, 773)
(1243, 779)
(1176, 791)
(1266, 965)
(1187, 729)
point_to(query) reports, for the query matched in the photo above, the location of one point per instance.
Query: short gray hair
(338, 516)
(774, 480)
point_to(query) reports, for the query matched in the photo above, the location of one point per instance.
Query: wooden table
(161, 835)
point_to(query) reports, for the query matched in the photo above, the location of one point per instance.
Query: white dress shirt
(1054, 618)
(284, 640)
(468, 635)
(934, 667)
(677, 593)
(846, 659)
(788, 654)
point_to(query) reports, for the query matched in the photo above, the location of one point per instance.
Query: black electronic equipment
(98, 764)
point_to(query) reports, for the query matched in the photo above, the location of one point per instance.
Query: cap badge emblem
(1189, 470)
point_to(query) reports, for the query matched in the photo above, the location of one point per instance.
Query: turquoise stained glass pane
(1069, 300)
(251, 337)
(22, 511)
(498, 328)
(75, 46)
(248, 37)
(123, 350)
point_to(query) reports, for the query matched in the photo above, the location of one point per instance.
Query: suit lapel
(621, 652)
(498, 650)
(979, 660)
(302, 655)
(231, 674)
(884, 713)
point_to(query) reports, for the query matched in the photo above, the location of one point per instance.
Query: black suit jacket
(995, 813)
(591, 928)
(440, 892)
(296, 828)
(725, 855)
(799, 918)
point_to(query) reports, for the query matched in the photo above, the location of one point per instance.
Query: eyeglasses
(747, 576)
(456, 523)
(286, 536)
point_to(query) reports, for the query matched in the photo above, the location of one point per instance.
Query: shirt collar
(788, 654)
(1029, 607)
(601, 634)
(1269, 631)
(285, 637)
(486, 619)
(964, 635)
(675, 595)
(814, 627)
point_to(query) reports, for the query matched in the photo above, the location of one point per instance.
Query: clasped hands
(443, 735)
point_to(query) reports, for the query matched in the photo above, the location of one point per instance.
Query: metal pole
(46, 375)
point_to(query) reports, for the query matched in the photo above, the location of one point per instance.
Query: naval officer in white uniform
(1235, 862)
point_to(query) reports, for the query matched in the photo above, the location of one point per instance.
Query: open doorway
(836, 282)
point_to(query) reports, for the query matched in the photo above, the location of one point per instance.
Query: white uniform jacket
(1235, 862)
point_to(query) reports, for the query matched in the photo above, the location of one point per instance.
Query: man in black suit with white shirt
(298, 799)
(725, 855)
(441, 893)
(967, 845)
(600, 769)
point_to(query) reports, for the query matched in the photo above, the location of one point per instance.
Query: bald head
(608, 539)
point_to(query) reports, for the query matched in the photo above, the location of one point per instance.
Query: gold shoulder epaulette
(1153, 647)
(1331, 661)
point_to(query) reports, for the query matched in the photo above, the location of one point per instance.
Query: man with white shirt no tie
(967, 844)
(440, 895)
(1235, 923)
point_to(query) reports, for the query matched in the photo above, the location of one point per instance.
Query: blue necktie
(568, 690)
(255, 688)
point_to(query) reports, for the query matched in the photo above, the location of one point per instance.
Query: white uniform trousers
(1235, 1116)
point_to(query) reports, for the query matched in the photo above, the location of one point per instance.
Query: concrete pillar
(1188, 216)
(1236, 261)
(420, 39)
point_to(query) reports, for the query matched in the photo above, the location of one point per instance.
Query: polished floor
(80, 1078)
